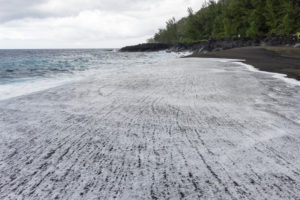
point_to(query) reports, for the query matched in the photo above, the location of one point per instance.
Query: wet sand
(285, 60)
(184, 129)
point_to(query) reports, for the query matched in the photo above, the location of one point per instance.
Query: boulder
(297, 45)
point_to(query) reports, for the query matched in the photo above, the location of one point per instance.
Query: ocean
(26, 71)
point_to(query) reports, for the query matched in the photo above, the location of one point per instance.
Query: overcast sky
(85, 23)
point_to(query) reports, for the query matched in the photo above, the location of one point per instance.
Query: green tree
(230, 18)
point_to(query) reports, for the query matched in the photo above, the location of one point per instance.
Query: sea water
(26, 71)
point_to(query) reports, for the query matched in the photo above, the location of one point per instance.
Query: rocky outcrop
(216, 45)
(297, 45)
(277, 40)
(146, 47)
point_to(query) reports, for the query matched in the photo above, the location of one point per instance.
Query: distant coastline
(265, 34)
(280, 54)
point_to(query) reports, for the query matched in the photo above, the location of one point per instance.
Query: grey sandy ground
(186, 129)
(285, 60)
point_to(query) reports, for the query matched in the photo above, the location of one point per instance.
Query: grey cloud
(19, 9)
(16, 9)
(85, 23)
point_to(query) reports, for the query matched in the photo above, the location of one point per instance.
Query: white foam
(181, 120)
(22, 88)
(253, 69)
(275, 75)
(27, 87)
(16, 89)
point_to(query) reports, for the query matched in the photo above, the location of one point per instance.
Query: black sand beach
(285, 60)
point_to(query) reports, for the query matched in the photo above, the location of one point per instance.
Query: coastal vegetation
(233, 19)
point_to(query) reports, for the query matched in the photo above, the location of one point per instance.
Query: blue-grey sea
(26, 71)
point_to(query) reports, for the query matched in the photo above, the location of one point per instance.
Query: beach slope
(279, 59)
(190, 128)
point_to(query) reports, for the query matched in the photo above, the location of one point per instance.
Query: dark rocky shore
(147, 47)
(264, 58)
(279, 54)
(215, 45)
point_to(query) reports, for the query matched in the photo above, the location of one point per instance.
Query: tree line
(232, 19)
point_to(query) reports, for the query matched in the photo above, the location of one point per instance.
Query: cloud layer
(85, 23)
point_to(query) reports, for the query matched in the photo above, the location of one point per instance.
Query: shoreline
(283, 60)
(198, 121)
